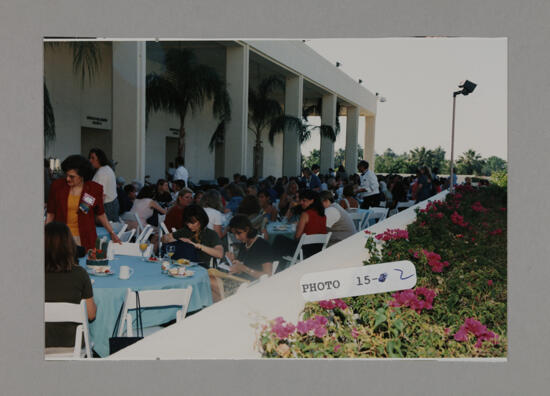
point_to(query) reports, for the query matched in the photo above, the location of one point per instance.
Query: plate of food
(175, 273)
(184, 263)
(101, 270)
(153, 259)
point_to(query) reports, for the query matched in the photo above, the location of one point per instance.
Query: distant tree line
(468, 163)
(314, 157)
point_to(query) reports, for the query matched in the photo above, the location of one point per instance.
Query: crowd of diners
(202, 218)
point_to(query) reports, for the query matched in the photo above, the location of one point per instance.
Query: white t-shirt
(332, 215)
(215, 217)
(106, 177)
(182, 174)
(370, 183)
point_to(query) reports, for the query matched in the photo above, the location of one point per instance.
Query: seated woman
(348, 202)
(212, 203)
(235, 195)
(312, 221)
(65, 282)
(250, 206)
(255, 257)
(143, 207)
(196, 233)
(289, 197)
(267, 209)
(162, 193)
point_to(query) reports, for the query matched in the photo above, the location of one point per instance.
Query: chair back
(358, 218)
(404, 205)
(377, 214)
(118, 227)
(309, 240)
(74, 313)
(139, 223)
(154, 299)
(164, 228)
(274, 267)
(127, 249)
(126, 236)
(145, 234)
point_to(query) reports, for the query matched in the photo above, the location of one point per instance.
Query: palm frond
(286, 122)
(86, 59)
(218, 137)
(49, 118)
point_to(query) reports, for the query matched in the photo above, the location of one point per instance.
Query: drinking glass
(143, 248)
(170, 250)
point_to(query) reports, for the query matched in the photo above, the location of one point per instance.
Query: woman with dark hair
(250, 206)
(312, 221)
(211, 202)
(267, 209)
(143, 207)
(105, 176)
(196, 232)
(65, 282)
(349, 202)
(255, 258)
(289, 197)
(76, 201)
(162, 192)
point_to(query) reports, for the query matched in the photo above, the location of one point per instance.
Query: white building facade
(109, 112)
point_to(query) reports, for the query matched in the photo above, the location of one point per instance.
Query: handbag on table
(117, 343)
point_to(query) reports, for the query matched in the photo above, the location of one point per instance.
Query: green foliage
(470, 163)
(468, 231)
(500, 178)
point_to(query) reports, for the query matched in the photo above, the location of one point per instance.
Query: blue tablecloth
(102, 232)
(274, 229)
(109, 293)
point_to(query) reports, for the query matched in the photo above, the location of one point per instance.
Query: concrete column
(236, 133)
(352, 128)
(328, 117)
(129, 109)
(368, 152)
(294, 98)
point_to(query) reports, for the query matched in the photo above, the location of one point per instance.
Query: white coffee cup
(125, 272)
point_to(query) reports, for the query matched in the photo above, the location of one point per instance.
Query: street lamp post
(467, 88)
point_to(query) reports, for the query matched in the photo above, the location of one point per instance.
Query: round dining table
(110, 291)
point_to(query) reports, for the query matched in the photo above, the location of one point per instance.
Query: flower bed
(457, 309)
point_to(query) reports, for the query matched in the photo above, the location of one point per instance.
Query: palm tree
(266, 112)
(470, 163)
(187, 85)
(324, 130)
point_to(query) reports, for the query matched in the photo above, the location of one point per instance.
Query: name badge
(88, 199)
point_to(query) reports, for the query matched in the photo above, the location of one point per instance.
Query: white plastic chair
(126, 236)
(307, 240)
(358, 219)
(118, 227)
(153, 299)
(382, 204)
(274, 268)
(75, 313)
(164, 228)
(139, 223)
(378, 214)
(127, 249)
(145, 234)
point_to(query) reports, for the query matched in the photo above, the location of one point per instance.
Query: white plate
(191, 264)
(188, 274)
(92, 272)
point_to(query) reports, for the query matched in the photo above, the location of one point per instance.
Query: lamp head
(467, 87)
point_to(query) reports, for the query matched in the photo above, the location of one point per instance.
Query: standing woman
(76, 201)
(105, 176)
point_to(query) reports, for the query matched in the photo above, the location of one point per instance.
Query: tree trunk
(257, 159)
(181, 143)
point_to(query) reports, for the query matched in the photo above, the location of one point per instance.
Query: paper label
(357, 281)
(88, 199)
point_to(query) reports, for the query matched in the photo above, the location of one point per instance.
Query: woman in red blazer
(76, 201)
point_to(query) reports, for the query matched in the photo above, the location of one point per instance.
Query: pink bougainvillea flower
(337, 348)
(473, 326)
(496, 232)
(320, 331)
(447, 330)
(503, 209)
(393, 234)
(281, 329)
(340, 303)
(327, 304)
(354, 333)
(459, 235)
(409, 298)
(478, 207)
(368, 232)
(458, 219)
(490, 282)
(422, 224)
